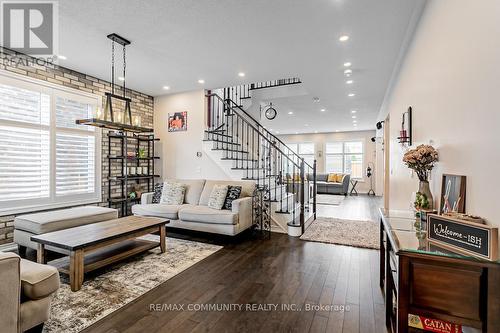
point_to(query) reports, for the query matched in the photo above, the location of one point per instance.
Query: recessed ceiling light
(201, 81)
(351, 95)
(349, 81)
(344, 38)
(241, 74)
(348, 72)
(277, 132)
(316, 99)
(121, 78)
(315, 131)
(61, 57)
(353, 111)
(347, 64)
(354, 121)
(290, 112)
(166, 87)
(337, 131)
(323, 110)
(296, 132)
(306, 125)
(355, 125)
(353, 117)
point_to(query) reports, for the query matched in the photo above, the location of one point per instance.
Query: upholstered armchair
(26, 290)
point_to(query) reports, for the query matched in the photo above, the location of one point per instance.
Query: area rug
(363, 234)
(329, 199)
(120, 284)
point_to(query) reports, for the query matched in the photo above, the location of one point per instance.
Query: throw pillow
(157, 193)
(173, 194)
(332, 178)
(233, 193)
(340, 177)
(217, 197)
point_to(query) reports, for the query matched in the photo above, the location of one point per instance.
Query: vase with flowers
(422, 160)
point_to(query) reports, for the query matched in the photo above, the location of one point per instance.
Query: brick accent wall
(142, 105)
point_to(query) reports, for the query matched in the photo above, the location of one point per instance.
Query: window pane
(75, 164)
(334, 148)
(23, 105)
(334, 163)
(67, 111)
(354, 165)
(353, 147)
(293, 147)
(24, 163)
(306, 148)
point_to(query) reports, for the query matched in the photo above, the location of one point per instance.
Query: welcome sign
(462, 236)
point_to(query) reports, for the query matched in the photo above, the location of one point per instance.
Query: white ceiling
(177, 42)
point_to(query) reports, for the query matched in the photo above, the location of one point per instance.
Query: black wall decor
(405, 134)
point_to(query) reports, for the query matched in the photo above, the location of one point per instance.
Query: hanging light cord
(113, 67)
(124, 68)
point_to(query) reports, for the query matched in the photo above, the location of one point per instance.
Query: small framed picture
(453, 190)
(177, 122)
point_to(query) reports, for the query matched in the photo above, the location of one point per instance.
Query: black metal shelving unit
(130, 142)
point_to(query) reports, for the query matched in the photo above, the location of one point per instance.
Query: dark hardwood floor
(282, 271)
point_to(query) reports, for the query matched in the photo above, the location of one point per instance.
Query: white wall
(451, 77)
(178, 149)
(320, 141)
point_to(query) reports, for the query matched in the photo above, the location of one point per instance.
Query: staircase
(285, 195)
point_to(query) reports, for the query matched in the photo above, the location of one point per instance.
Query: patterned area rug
(120, 284)
(329, 199)
(344, 232)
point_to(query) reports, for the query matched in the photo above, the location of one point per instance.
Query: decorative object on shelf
(269, 111)
(465, 237)
(369, 174)
(142, 153)
(132, 170)
(422, 160)
(405, 135)
(110, 119)
(466, 217)
(453, 190)
(136, 121)
(131, 154)
(177, 122)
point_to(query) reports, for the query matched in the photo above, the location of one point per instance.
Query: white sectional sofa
(194, 214)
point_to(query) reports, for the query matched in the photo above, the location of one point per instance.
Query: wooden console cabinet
(421, 278)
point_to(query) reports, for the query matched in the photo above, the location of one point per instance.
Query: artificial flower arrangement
(422, 160)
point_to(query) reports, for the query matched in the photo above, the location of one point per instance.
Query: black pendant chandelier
(118, 120)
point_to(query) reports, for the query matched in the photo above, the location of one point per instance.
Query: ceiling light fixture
(315, 131)
(323, 110)
(353, 111)
(121, 78)
(349, 81)
(241, 74)
(344, 38)
(201, 81)
(351, 95)
(166, 87)
(347, 64)
(61, 57)
(353, 117)
(290, 112)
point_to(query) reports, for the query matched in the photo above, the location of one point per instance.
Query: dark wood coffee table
(96, 245)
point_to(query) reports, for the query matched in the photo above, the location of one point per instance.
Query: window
(345, 157)
(304, 150)
(46, 160)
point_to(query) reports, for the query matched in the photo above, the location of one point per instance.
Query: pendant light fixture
(111, 119)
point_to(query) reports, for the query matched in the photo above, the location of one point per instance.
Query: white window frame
(343, 154)
(54, 90)
(313, 155)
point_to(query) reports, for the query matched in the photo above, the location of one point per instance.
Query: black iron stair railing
(281, 175)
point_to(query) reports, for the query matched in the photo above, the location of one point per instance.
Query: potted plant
(422, 160)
